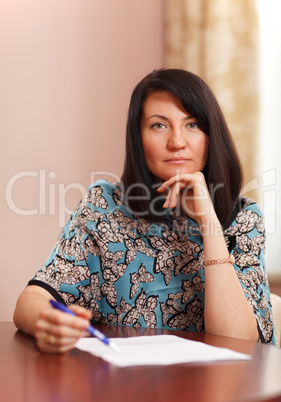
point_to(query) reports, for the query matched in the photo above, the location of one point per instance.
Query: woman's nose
(177, 140)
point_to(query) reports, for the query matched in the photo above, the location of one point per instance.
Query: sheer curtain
(218, 40)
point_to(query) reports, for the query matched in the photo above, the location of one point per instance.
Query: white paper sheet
(157, 350)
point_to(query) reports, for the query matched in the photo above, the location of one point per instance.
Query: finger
(43, 326)
(81, 311)
(172, 197)
(168, 199)
(57, 318)
(174, 194)
(180, 177)
(57, 344)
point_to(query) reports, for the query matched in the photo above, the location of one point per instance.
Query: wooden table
(27, 375)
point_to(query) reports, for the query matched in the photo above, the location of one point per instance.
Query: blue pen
(93, 331)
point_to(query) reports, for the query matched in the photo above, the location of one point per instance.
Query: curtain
(218, 40)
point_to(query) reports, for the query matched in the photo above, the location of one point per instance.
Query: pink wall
(67, 71)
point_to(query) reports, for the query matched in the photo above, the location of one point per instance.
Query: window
(270, 128)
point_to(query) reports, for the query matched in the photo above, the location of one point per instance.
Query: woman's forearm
(31, 301)
(227, 311)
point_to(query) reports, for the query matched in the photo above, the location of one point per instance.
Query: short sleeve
(248, 232)
(73, 267)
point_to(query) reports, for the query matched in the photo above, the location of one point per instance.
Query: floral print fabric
(132, 272)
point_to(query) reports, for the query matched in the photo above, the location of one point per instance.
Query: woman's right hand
(57, 332)
(54, 330)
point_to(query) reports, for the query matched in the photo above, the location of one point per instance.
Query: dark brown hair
(223, 173)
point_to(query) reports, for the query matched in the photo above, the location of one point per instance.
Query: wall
(67, 70)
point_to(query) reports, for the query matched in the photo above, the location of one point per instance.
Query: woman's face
(172, 141)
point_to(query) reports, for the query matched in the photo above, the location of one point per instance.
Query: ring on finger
(50, 339)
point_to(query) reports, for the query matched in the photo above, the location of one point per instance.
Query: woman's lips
(177, 160)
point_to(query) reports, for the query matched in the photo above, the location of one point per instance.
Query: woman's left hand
(192, 191)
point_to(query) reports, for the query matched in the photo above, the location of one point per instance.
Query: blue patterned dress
(129, 271)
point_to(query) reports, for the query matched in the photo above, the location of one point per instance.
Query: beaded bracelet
(229, 260)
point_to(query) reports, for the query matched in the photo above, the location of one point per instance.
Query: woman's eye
(192, 125)
(158, 125)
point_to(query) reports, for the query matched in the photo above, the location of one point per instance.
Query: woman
(173, 245)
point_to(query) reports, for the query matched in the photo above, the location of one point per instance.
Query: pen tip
(115, 347)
